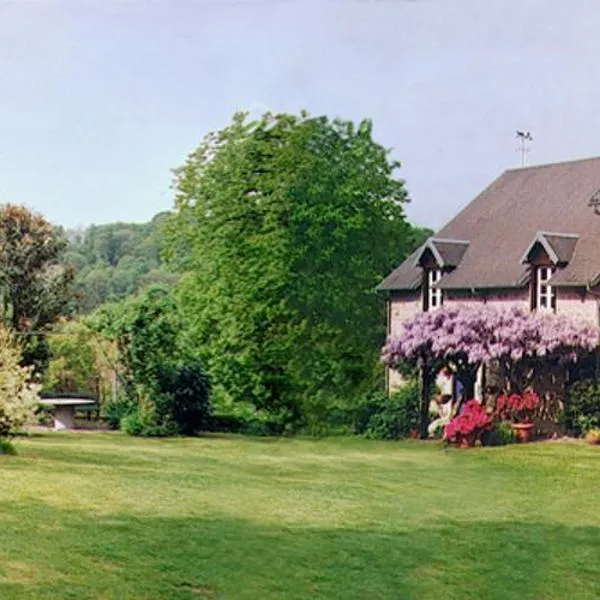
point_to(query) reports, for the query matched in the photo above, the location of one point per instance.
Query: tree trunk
(424, 416)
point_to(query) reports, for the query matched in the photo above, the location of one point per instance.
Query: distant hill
(116, 260)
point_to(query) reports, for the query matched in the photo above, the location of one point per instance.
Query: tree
(35, 285)
(116, 260)
(167, 388)
(283, 227)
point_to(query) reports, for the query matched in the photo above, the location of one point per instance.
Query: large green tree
(35, 284)
(284, 226)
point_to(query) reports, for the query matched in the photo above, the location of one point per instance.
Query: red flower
(469, 424)
(517, 408)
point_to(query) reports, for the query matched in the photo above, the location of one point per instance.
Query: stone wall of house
(501, 299)
(578, 304)
(550, 380)
(402, 307)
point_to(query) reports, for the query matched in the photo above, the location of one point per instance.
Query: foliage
(184, 397)
(165, 389)
(500, 434)
(117, 260)
(582, 410)
(390, 417)
(132, 424)
(81, 362)
(469, 425)
(482, 334)
(518, 408)
(6, 447)
(18, 393)
(283, 227)
(114, 411)
(593, 436)
(35, 286)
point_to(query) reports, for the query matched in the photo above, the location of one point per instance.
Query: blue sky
(99, 100)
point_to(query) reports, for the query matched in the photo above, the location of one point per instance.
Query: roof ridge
(448, 240)
(553, 164)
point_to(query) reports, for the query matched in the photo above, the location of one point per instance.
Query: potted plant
(593, 436)
(467, 427)
(519, 409)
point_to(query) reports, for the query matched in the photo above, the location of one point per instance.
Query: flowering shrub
(477, 335)
(517, 408)
(18, 395)
(469, 425)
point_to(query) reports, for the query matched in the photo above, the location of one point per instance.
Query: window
(434, 297)
(545, 294)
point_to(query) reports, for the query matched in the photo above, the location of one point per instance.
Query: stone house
(530, 239)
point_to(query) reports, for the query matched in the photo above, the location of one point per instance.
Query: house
(531, 239)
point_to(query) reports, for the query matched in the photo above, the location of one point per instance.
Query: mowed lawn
(111, 517)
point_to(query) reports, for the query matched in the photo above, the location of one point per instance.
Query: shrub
(393, 417)
(184, 399)
(582, 411)
(18, 394)
(114, 411)
(501, 434)
(132, 424)
(6, 447)
(518, 408)
(593, 436)
(469, 426)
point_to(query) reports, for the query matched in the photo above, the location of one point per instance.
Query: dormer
(438, 257)
(547, 253)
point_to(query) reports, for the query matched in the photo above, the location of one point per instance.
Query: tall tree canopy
(35, 285)
(116, 260)
(284, 226)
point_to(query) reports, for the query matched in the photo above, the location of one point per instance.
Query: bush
(593, 436)
(7, 448)
(390, 418)
(469, 426)
(184, 400)
(582, 411)
(501, 434)
(132, 424)
(115, 411)
(18, 394)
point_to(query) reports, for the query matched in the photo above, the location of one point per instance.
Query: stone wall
(579, 304)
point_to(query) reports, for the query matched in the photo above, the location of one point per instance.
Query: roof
(447, 253)
(548, 204)
(558, 246)
(405, 277)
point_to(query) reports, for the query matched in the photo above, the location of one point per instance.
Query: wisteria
(477, 335)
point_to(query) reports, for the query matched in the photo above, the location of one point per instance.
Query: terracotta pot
(523, 432)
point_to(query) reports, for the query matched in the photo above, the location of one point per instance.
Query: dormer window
(438, 257)
(547, 256)
(434, 295)
(545, 293)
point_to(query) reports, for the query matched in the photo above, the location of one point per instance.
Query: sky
(99, 100)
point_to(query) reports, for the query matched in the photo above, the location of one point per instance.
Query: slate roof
(556, 203)
(448, 253)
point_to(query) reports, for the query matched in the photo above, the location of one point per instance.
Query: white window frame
(435, 297)
(545, 294)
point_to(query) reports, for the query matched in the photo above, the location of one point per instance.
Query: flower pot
(523, 432)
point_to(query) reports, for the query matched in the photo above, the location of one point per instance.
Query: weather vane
(524, 138)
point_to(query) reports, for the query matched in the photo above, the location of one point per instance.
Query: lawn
(105, 516)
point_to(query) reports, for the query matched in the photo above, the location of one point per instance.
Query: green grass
(105, 516)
